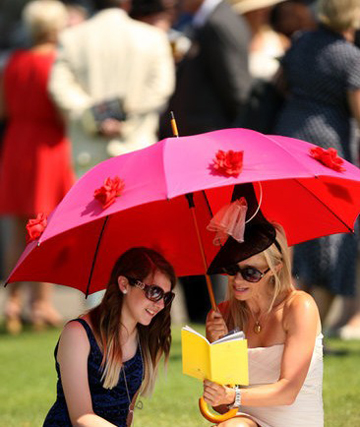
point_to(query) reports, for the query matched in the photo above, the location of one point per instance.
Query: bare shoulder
(300, 310)
(74, 334)
(300, 300)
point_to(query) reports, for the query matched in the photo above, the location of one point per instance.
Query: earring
(125, 291)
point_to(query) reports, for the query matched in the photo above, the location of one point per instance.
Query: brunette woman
(105, 357)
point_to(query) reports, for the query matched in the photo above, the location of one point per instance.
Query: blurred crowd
(85, 80)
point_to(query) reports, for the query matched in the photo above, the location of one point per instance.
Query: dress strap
(89, 332)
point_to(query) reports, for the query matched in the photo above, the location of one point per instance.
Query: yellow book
(224, 361)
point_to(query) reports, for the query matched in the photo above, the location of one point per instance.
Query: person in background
(213, 80)
(292, 16)
(112, 78)
(160, 13)
(267, 46)
(283, 331)
(321, 70)
(35, 169)
(105, 357)
(77, 13)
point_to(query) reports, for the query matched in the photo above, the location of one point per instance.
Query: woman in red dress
(35, 162)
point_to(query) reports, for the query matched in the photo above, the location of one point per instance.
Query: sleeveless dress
(112, 405)
(320, 68)
(35, 169)
(307, 410)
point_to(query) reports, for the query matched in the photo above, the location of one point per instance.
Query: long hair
(236, 312)
(155, 339)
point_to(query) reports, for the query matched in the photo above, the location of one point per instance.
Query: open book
(224, 361)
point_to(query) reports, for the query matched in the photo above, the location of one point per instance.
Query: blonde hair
(340, 15)
(43, 18)
(237, 312)
(155, 339)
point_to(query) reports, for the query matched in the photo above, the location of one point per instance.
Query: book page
(190, 329)
(195, 354)
(238, 335)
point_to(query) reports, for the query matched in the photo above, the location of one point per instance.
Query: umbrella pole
(192, 209)
(202, 252)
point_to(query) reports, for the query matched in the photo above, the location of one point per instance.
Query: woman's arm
(354, 103)
(302, 324)
(215, 325)
(72, 357)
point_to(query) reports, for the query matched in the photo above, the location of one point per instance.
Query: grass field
(28, 384)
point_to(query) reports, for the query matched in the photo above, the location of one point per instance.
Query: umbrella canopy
(82, 240)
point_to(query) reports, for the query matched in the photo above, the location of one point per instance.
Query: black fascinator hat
(259, 234)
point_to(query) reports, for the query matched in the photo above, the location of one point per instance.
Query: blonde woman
(106, 356)
(283, 330)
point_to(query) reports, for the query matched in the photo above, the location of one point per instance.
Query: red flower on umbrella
(228, 162)
(328, 158)
(35, 227)
(111, 189)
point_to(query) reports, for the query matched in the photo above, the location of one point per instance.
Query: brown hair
(155, 339)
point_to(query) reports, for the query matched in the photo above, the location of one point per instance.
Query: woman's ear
(123, 284)
(278, 267)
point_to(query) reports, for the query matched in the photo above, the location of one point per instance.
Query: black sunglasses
(152, 292)
(250, 274)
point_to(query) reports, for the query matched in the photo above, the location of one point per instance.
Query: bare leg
(352, 328)
(323, 299)
(42, 311)
(13, 306)
(13, 309)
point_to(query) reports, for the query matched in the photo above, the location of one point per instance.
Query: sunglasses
(153, 292)
(250, 274)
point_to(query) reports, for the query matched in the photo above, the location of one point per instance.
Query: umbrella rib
(95, 256)
(332, 212)
(207, 203)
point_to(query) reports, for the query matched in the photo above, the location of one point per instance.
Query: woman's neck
(349, 35)
(262, 304)
(128, 331)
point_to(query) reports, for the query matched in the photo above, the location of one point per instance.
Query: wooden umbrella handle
(215, 418)
(207, 278)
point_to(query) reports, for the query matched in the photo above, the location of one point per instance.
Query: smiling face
(244, 290)
(137, 308)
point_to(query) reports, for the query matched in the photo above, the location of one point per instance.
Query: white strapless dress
(307, 410)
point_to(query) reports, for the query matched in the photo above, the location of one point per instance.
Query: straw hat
(244, 6)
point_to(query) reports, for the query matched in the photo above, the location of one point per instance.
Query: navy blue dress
(112, 405)
(320, 68)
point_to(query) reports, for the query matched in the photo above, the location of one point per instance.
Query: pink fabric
(229, 221)
(306, 197)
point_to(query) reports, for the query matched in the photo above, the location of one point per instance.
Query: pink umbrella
(309, 192)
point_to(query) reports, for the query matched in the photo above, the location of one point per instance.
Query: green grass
(28, 385)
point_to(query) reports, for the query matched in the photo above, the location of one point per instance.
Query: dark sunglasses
(152, 292)
(250, 274)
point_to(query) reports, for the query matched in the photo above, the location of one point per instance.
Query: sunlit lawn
(28, 379)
